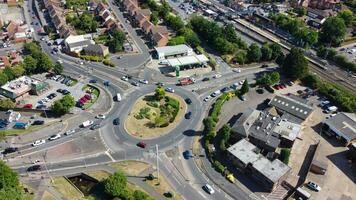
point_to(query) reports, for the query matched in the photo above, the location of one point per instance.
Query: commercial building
(246, 156)
(9, 116)
(317, 4)
(343, 126)
(96, 50)
(76, 43)
(173, 51)
(188, 61)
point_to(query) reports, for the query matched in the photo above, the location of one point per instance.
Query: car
(116, 121)
(217, 76)
(314, 186)
(95, 126)
(260, 91)
(124, 78)
(69, 132)
(41, 106)
(237, 70)
(28, 106)
(188, 115)
(225, 89)
(10, 150)
(60, 91)
(160, 84)
(188, 101)
(135, 83)
(290, 83)
(269, 89)
(142, 144)
(143, 81)
(65, 92)
(54, 137)
(208, 189)
(168, 89)
(324, 103)
(187, 154)
(282, 86)
(243, 98)
(100, 116)
(38, 143)
(38, 122)
(276, 87)
(241, 82)
(206, 79)
(206, 98)
(34, 168)
(231, 178)
(300, 91)
(93, 81)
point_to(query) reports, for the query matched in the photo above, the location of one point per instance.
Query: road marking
(110, 156)
(202, 194)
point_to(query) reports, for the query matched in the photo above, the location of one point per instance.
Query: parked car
(10, 150)
(241, 82)
(206, 79)
(217, 76)
(38, 142)
(314, 186)
(208, 189)
(143, 81)
(187, 154)
(29, 106)
(135, 83)
(38, 122)
(188, 115)
(206, 98)
(225, 89)
(100, 116)
(54, 137)
(269, 89)
(124, 78)
(60, 91)
(141, 144)
(171, 90)
(93, 81)
(41, 106)
(69, 132)
(34, 168)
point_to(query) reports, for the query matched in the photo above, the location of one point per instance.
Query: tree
(7, 104)
(139, 195)
(301, 11)
(154, 17)
(63, 106)
(190, 36)
(3, 78)
(9, 73)
(333, 31)
(117, 40)
(230, 33)
(44, 64)
(160, 93)
(268, 78)
(266, 52)
(295, 65)
(175, 22)
(116, 184)
(276, 50)
(244, 88)
(347, 16)
(274, 77)
(254, 53)
(240, 57)
(10, 187)
(58, 68)
(18, 70)
(30, 65)
(176, 40)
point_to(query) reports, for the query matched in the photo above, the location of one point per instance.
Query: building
(319, 164)
(317, 4)
(266, 130)
(187, 61)
(9, 116)
(96, 50)
(246, 156)
(173, 51)
(20, 87)
(76, 43)
(343, 126)
(295, 108)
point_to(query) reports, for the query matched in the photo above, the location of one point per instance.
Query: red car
(87, 96)
(141, 144)
(29, 106)
(276, 87)
(83, 99)
(281, 86)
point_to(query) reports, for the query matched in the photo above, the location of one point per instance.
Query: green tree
(116, 185)
(30, 65)
(274, 77)
(176, 40)
(230, 33)
(301, 11)
(347, 16)
(254, 53)
(58, 68)
(244, 88)
(10, 187)
(190, 36)
(3, 78)
(160, 93)
(295, 65)
(240, 57)
(139, 195)
(268, 78)
(9, 73)
(266, 52)
(276, 50)
(44, 64)
(63, 106)
(154, 17)
(7, 103)
(117, 40)
(174, 22)
(333, 31)
(18, 70)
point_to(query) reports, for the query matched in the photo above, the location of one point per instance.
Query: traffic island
(91, 96)
(151, 117)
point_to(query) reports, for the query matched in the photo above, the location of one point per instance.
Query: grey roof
(173, 50)
(245, 152)
(344, 123)
(98, 48)
(79, 44)
(245, 121)
(291, 106)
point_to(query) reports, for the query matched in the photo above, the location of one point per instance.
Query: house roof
(291, 106)
(58, 21)
(345, 123)
(98, 48)
(110, 23)
(141, 18)
(101, 6)
(12, 27)
(65, 31)
(157, 37)
(243, 124)
(147, 26)
(160, 29)
(145, 12)
(105, 14)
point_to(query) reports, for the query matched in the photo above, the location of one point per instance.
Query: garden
(155, 114)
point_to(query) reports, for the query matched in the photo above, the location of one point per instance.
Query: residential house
(317, 4)
(160, 40)
(4, 62)
(110, 23)
(65, 31)
(147, 26)
(96, 50)
(141, 19)
(75, 43)
(11, 29)
(55, 3)
(58, 21)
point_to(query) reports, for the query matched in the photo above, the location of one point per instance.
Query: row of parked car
(62, 79)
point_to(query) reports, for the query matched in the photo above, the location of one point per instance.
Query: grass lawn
(162, 186)
(73, 83)
(131, 167)
(98, 175)
(101, 39)
(66, 189)
(30, 129)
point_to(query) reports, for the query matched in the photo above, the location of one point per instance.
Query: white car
(54, 137)
(237, 70)
(217, 76)
(171, 90)
(314, 186)
(241, 82)
(124, 78)
(69, 132)
(208, 189)
(100, 116)
(38, 143)
(206, 98)
(59, 61)
(143, 81)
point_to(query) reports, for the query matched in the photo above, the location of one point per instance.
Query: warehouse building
(343, 126)
(173, 51)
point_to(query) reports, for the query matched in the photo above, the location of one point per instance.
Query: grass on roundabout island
(150, 118)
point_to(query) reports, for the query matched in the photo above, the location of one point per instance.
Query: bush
(175, 104)
(285, 154)
(92, 58)
(108, 62)
(218, 166)
(7, 104)
(153, 104)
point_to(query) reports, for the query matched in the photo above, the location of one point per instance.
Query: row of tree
(85, 23)
(254, 53)
(10, 187)
(268, 78)
(339, 59)
(116, 186)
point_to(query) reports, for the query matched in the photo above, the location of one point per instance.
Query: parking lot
(45, 100)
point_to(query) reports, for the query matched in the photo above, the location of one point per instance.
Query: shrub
(92, 58)
(153, 104)
(218, 166)
(285, 154)
(108, 62)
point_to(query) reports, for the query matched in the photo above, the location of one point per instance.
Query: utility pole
(157, 162)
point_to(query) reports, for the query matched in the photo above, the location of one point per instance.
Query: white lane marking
(108, 154)
(205, 197)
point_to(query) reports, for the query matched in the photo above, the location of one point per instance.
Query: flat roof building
(76, 43)
(187, 60)
(246, 156)
(177, 50)
(343, 126)
(17, 87)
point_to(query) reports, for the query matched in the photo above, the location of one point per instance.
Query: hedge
(92, 58)
(285, 154)
(108, 62)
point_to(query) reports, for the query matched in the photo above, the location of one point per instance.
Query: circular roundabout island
(155, 114)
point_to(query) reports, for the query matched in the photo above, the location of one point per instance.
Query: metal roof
(187, 60)
(173, 50)
(344, 123)
(292, 106)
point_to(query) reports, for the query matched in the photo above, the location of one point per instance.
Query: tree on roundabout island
(160, 93)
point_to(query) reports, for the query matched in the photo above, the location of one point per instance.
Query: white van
(118, 97)
(331, 109)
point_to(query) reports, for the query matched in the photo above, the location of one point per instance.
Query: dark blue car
(188, 115)
(187, 154)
